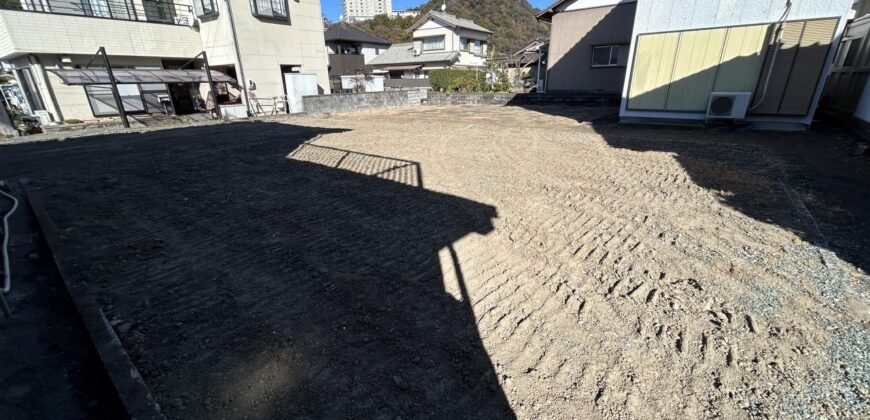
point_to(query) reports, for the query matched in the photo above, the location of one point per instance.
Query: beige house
(440, 40)
(589, 44)
(252, 41)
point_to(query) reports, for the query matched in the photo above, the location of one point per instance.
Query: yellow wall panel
(695, 69)
(814, 46)
(677, 71)
(799, 65)
(791, 37)
(652, 71)
(742, 58)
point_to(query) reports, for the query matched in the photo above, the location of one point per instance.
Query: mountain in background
(512, 22)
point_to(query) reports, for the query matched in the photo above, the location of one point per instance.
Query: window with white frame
(610, 55)
(205, 7)
(433, 43)
(274, 9)
(474, 46)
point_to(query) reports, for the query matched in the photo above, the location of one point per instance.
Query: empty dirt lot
(473, 262)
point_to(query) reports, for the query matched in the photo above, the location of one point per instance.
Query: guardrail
(145, 11)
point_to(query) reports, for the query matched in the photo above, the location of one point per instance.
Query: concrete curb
(131, 388)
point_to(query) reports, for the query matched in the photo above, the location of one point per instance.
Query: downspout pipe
(778, 41)
(244, 81)
(47, 83)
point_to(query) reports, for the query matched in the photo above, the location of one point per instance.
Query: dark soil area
(245, 284)
(48, 368)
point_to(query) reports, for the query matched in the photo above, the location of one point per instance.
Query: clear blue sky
(332, 8)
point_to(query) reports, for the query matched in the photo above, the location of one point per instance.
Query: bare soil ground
(474, 262)
(49, 368)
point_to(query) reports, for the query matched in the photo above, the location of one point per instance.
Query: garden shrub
(454, 80)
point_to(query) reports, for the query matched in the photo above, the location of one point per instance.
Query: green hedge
(452, 80)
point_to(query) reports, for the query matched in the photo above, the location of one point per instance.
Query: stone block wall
(354, 102)
(476, 98)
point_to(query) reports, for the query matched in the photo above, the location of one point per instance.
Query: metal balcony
(155, 11)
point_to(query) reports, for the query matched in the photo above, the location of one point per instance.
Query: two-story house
(50, 44)
(350, 49)
(440, 40)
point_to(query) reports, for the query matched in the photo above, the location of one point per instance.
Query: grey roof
(344, 32)
(451, 20)
(548, 12)
(404, 54)
(528, 54)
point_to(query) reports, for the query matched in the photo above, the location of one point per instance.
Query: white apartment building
(360, 10)
(405, 13)
(49, 44)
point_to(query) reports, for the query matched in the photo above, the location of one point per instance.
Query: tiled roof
(344, 32)
(451, 21)
(404, 54)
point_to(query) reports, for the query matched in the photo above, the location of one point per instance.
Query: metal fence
(158, 11)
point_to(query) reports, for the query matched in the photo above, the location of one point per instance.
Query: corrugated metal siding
(848, 77)
(677, 71)
(572, 36)
(814, 46)
(791, 37)
(799, 64)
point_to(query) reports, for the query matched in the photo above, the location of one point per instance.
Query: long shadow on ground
(767, 176)
(254, 273)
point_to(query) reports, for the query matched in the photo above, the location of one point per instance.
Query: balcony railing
(158, 11)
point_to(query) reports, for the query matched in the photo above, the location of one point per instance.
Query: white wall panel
(683, 12)
(728, 13)
(758, 8)
(703, 14)
(668, 15)
(660, 14)
(588, 4)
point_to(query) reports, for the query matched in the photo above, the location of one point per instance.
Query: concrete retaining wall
(354, 102)
(437, 98)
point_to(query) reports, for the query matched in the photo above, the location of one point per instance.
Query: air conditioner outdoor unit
(44, 117)
(728, 105)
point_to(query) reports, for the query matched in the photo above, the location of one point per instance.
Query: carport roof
(133, 76)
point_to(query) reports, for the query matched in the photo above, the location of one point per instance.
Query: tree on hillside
(512, 22)
(394, 30)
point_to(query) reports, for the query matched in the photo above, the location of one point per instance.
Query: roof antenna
(444, 6)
